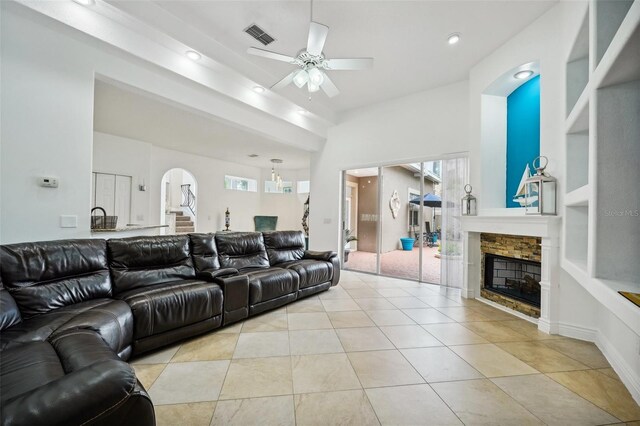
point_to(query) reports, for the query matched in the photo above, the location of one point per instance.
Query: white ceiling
(137, 115)
(406, 38)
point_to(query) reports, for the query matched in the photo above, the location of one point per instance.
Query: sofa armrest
(93, 394)
(320, 255)
(235, 297)
(212, 274)
(335, 261)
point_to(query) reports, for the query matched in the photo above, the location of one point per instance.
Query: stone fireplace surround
(547, 228)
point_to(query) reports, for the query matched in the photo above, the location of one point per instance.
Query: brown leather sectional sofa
(73, 311)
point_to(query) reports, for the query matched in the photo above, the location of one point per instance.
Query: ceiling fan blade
(317, 37)
(270, 55)
(329, 88)
(349, 64)
(285, 81)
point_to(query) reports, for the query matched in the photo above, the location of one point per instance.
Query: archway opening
(178, 201)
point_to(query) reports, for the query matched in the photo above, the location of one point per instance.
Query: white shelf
(578, 118)
(578, 67)
(608, 16)
(621, 61)
(578, 197)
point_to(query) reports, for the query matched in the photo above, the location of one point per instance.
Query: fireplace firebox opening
(514, 278)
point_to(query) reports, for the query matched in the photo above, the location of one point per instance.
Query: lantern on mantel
(540, 195)
(468, 205)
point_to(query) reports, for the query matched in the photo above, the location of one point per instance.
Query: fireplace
(514, 278)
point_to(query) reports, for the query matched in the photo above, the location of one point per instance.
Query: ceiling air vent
(259, 34)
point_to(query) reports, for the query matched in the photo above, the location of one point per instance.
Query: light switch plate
(68, 221)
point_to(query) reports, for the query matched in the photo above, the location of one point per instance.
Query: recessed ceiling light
(253, 155)
(521, 75)
(453, 38)
(302, 111)
(258, 89)
(85, 2)
(193, 55)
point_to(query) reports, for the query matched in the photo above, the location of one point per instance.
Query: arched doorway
(178, 201)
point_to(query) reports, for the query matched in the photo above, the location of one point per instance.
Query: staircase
(184, 224)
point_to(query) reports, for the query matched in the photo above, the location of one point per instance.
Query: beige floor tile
(334, 293)
(483, 403)
(427, 316)
(309, 321)
(453, 334)
(468, 302)
(389, 317)
(410, 405)
(337, 305)
(230, 329)
(495, 331)
(541, 357)
(309, 304)
(585, 352)
(462, 314)
(182, 382)
(440, 364)
(321, 373)
(192, 414)
(494, 314)
(422, 291)
(350, 319)
(374, 303)
(407, 302)
(409, 336)
(552, 403)
(347, 408)
(363, 339)
(605, 392)
(350, 285)
(273, 410)
(393, 292)
(364, 293)
(439, 301)
(148, 373)
(262, 344)
(609, 372)
(207, 348)
(529, 330)
(383, 368)
(157, 357)
(306, 342)
(271, 321)
(492, 361)
(250, 378)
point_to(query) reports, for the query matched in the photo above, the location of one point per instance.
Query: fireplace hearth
(514, 278)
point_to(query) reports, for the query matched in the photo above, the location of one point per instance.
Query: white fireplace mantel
(545, 227)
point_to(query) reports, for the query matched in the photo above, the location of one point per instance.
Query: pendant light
(275, 177)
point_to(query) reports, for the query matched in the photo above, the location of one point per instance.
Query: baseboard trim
(619, 365)
(507, 310)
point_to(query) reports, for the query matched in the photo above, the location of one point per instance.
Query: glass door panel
(432, 221)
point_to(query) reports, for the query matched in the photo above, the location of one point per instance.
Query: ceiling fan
(313, 64)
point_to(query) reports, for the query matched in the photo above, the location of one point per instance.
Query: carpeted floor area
(399, 263)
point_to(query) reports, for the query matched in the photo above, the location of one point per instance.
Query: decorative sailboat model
(521, 194)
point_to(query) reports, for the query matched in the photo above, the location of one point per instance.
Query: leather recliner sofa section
(73, 311)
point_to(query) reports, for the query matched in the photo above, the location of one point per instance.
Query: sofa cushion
(267, 284)
(204, 252)
(49, 275)
(144, 261)
(241, 250)
(284, 246)
(110, 319)
(9, 312)
(171, 305)
(311, 272)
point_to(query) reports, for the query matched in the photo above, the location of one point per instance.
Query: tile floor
(376, 350)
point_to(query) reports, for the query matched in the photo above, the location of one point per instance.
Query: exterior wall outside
(368, 213)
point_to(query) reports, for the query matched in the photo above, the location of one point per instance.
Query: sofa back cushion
(241, 250)
(144, 261)
(284, 246)
(204, 252)
(44, 276)
(9, 312)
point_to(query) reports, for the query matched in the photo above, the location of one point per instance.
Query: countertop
(130, 228)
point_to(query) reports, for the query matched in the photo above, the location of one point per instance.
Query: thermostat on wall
(49, 182)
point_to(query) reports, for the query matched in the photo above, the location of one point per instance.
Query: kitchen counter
(138, 229)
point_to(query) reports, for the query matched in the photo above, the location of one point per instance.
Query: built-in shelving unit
(601, 201)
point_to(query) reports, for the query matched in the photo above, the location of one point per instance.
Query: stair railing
(188, 198)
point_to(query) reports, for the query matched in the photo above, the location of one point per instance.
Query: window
(272, 187)
(303, 186)
(240, 183)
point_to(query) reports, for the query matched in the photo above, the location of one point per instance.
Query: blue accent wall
(523, 133)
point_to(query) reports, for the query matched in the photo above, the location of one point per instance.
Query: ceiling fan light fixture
(522, 75)
(453, 38)
(316, 77)
(313, 87)
(301, 78)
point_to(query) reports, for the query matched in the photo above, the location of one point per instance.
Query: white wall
(421, 126)
(288, 207)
